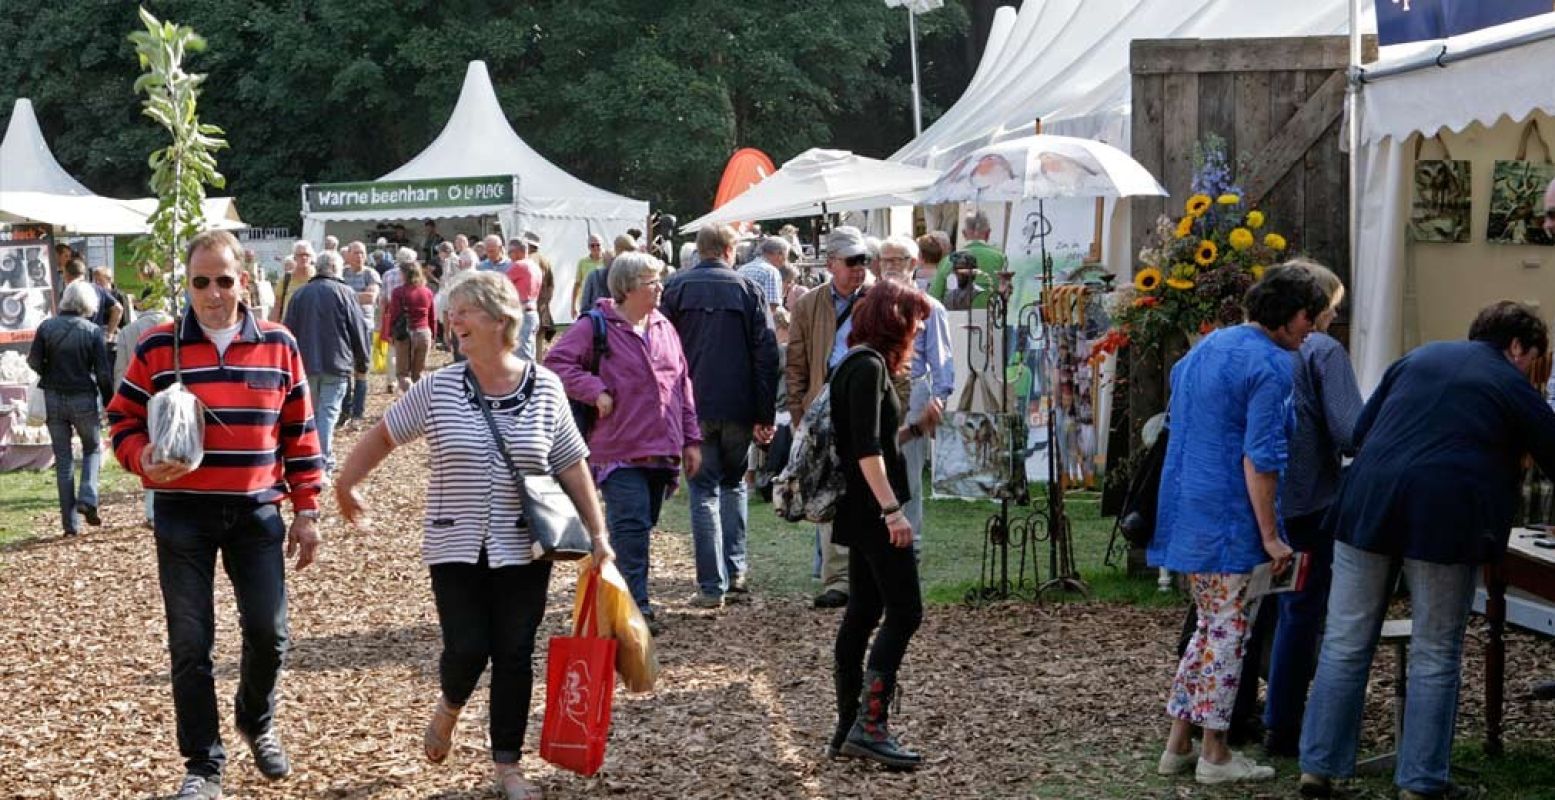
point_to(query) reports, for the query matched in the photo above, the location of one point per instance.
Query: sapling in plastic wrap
(177, 427)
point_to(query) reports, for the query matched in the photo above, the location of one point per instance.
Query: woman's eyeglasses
(222, 281)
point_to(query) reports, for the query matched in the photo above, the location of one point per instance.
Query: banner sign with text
(488, 190)
(1401, 21)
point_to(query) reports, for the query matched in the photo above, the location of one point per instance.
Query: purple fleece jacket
(647, 377)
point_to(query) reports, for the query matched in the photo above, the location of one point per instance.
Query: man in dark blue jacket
(732, 353)
(1432, 491)
(326, 318)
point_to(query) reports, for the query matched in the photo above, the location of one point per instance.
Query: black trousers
(884, 584)
(250, 538)
(491, 616)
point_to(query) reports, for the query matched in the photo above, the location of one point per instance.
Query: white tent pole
(917, 103)
(1353, 137)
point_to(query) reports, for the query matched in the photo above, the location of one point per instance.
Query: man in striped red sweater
(260, 447)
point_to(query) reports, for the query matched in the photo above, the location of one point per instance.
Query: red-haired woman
(867, 419)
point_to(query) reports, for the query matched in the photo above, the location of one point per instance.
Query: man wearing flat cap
(817, 340)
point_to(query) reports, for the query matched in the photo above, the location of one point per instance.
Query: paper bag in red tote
(580, 682)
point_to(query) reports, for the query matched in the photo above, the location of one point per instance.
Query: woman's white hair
(79, 298)
(494, 294)
(404, 256)
(628, 271)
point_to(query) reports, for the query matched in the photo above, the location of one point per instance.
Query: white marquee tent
(479, 141)
(1484, 77)
(221, 213)
(1067, 63)
(35, 188)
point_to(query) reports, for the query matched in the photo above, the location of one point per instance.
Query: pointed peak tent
(35, 188)
(478, 142)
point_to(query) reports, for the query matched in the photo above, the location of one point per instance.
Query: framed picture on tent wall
(1517, 195)
(1442, 199)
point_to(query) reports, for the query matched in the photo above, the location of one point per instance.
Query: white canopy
(1067, 63)
(839, 179)
(1504, 79)
(221, 213)
(479, 141)
(35, 188)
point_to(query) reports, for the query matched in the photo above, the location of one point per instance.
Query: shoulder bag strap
(491, 423)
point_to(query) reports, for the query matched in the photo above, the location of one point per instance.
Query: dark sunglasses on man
(860, 260)
(222, 281)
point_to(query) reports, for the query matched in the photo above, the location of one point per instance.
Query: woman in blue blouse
(1230, 418)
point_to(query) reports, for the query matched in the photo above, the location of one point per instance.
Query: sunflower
(1206, 253)
(1257, 271)
(1147, 279)
(1228, 199)
(1184, 227)
(1255, 219)
(1241, 239)
(1198, 204)
(1181, 284)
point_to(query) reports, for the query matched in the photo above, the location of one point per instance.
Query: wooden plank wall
(1278, 104)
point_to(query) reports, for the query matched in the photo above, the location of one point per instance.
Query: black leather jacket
(69, 355)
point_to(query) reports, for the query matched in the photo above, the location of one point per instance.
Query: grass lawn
(31, 506)
(781, 553)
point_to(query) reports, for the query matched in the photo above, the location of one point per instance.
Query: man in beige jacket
(817, 340)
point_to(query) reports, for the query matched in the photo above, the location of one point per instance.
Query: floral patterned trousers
(1204, 689)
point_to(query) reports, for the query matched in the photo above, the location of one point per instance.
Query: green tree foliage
(644, 97)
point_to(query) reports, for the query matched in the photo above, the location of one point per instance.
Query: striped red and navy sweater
(260, 441)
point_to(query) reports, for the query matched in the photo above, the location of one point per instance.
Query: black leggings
(884, 580)
(491, 615)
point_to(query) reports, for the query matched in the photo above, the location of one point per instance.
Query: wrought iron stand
(1049, 523)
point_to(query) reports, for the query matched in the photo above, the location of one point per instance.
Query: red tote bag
(580, 681)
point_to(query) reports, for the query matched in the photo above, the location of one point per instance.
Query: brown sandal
(514, 786)
(438, 739)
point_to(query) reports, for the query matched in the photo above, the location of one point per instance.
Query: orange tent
(747, 167)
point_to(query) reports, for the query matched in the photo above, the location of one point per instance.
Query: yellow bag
(618, 618)
(380, 353)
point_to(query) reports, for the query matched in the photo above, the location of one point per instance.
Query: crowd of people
(690, 376)
(1260, 421)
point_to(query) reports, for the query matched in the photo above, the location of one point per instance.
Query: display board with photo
(1442, 200)
(1517, 195)
(26, 294)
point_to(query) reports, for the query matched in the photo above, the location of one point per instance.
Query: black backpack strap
(601, 344)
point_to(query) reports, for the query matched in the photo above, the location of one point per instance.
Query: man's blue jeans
(356, 397)
(190, 531)
(718, 505)
(633, 497)
(329, 394)
(76, 412)
(1293, 657)
(1440, 595)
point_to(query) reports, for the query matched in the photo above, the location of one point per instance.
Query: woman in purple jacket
(646, 427)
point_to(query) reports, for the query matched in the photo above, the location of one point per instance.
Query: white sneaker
(1174, 764)
(1238, 768)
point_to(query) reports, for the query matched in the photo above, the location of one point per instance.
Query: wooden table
(1530, 568)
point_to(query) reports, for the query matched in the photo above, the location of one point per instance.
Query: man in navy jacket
(1432, 492)
(732, 353)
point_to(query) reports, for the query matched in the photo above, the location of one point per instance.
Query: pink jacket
(648, 379)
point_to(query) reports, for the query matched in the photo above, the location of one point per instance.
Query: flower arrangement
(1192, 276)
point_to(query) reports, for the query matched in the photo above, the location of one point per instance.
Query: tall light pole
(914, 8)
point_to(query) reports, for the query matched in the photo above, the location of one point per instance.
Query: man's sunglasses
(860, 260)
(222, 281)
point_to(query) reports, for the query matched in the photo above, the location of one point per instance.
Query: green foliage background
(644, 97)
